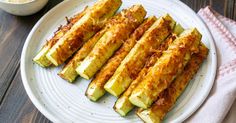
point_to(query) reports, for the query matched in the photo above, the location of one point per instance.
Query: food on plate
(168, 97)
(135, 60)
(123, 105)
(93, 20)
(68, 72)
(167, 67)
(41, 58)
(96, 87)
(144, 62)
(112, 39)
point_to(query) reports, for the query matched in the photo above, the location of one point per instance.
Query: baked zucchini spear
(168, 66)
(95, 89)
(112, 39)
(93, 20)
(68, 72)
(123, 105)
(135, 60)
(41, 58)
(167, 98)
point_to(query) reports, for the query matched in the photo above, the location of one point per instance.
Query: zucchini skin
(95, 89)
(68, 72)
(94, 20)
(135, 60)
(41, 58)
(168, 97)
(168, 66)
(123, 105)
(111, 40)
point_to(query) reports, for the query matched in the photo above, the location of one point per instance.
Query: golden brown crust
(154, 43)
(74, 42)
(63, 29)
(167, 67)
(94, 20)
(79, 56)
(107, 71)
(136, 58)
(150, 62)
(111, 41)
(168, 97)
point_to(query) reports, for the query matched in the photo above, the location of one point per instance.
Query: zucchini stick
(135, 60)
(95, 89)
(167, 98)
(93, 20)
(111, 40)
(123, 105)
(41, 58)
(170, 64)
(68, 72)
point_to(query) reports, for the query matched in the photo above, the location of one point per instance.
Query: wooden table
(15, 106)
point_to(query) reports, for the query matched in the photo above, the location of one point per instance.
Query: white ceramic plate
(61, 101)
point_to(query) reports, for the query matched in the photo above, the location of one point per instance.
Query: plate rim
(52, 118)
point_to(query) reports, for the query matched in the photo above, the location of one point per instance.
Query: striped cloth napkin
(220, 106)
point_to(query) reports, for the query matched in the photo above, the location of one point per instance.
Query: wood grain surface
(15, 106)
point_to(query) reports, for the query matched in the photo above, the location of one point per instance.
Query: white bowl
(23, 9)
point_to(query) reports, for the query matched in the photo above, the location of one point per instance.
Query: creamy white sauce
(18, 1)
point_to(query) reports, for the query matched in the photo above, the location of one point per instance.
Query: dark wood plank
(230, 9)
(196, 4)
(218, 5)
(16, 107)
(13, 34)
